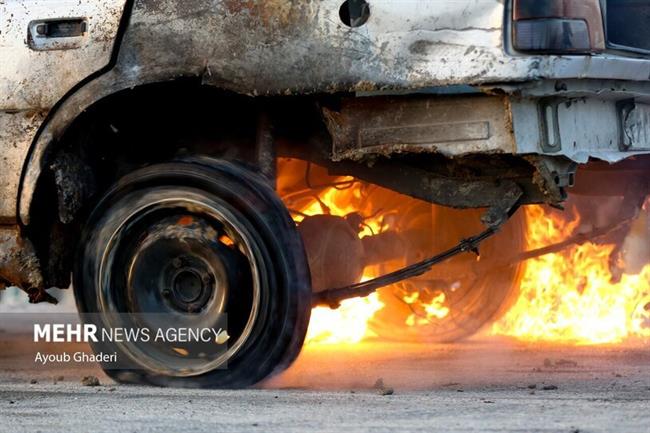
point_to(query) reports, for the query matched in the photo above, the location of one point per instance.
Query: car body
(361, 87)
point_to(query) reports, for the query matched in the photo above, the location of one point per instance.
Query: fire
(341, 202)
(348, 324)
(435, 309)
(570, 297)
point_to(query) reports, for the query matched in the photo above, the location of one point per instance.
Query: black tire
(262, 264)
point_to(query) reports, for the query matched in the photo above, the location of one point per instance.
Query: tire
(188, 243)
(473, 301)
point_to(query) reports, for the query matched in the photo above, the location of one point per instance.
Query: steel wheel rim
(194, 203)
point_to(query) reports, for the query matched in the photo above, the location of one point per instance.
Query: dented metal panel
(452, 126)
(283, 46)
(635, 125)
(16, 133)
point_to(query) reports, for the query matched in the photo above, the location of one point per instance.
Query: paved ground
(483, 385)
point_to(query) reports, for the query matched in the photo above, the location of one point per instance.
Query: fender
(60, 116)
(47, 49)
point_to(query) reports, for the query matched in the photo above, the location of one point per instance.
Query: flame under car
(326, 172)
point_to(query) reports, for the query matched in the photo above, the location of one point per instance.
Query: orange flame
(570, 297)
(435, 309)
(567, 297)
(347, 324)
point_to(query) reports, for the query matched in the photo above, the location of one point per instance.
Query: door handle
(57, 34)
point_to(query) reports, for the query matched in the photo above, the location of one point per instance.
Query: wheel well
(132, 128)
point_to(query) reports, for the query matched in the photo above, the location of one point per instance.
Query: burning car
(258, 158)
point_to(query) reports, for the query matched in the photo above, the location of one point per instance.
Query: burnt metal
(615, 232)
(624, 108)
(75, 183)
(191, 286)
(332, 58)
(494, 218)
(334, 251)
(619, 230)
(634, 121)
(450, 125)
(458, 191)
(469, 181)
(499, 211)
(333, 297)
(191, 272)
(551, 139)
(383, 247)
(553, 176)
(337, 256)
(265, 148)
(19, 265)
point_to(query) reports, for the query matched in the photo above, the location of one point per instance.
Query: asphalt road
(482, 385)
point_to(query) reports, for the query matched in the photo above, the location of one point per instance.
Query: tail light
(558, 26)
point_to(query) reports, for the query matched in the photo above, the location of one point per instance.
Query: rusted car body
(516, 95)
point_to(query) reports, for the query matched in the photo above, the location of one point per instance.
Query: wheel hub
(190, 284)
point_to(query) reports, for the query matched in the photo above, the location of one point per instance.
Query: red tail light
(558, 26)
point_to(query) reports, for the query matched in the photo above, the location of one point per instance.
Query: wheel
(451, 302)
(189, 245)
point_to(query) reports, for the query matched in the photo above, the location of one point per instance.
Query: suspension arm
(333, 297)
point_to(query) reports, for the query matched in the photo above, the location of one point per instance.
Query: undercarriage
(235, 165)
(439, 238)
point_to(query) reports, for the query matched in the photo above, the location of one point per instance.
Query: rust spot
(267, 12)
(237, 6)
(19, 265)
(185, 221)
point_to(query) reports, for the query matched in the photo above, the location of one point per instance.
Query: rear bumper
(580, 120)
(450, 125)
